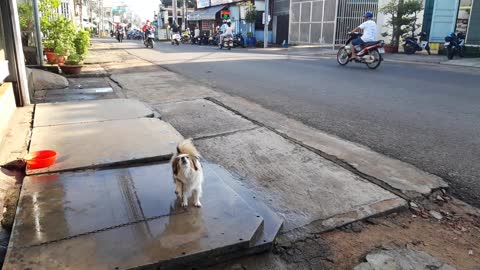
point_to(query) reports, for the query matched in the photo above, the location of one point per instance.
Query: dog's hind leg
(197, 194)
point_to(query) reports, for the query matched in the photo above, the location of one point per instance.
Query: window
(64, 9)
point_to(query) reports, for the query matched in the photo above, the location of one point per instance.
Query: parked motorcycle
(411, 45)
(227, 42)
(455, 44)
(120, 35)
(149, 38)
(369, 53)
(176, 39)
(238, 40)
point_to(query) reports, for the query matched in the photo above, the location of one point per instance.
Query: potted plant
(73, 65)
(400, 14)
(61, 51)
(251, 18)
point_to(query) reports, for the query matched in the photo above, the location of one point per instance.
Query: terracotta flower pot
(71, 69)
(60, 59)
(391, 49)
(51, 56)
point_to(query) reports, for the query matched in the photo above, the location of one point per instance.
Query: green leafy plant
(81, 42)
(25, 14)
(62, 34)
(48, 11)
(250, 14)
(74, 59)
(402, 14)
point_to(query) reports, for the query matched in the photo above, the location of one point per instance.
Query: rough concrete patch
(51, 114)
(393, 173)
(160, 87)
(200, 118)
(298, 184)
(101, 144)
(401, 259)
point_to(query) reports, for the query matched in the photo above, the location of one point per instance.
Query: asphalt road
(426, 115)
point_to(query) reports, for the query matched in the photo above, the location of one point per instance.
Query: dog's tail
(187, 147)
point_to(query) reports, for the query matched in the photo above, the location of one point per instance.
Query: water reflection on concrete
(125, 218)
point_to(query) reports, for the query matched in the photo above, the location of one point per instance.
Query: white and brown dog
(187, 173)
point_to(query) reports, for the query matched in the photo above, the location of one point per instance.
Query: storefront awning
(204, 14)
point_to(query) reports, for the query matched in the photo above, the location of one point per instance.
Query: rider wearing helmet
(369, 28)
(223, 28)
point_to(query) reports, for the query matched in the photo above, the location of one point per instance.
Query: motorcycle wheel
(178, 43)
(450, 53)
(378, 59)
(229, 48)
(342, 57)
(150, 43)
(408, 48)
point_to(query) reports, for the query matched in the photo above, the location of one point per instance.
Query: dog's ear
(194, 163)
(175, 166)
(178, 150)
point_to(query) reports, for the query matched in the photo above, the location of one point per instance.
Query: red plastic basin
(41, 159)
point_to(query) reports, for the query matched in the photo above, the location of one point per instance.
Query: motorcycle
(120, 35)
(410, 44)
(149, 38)
(455, 43)
(227, 42)
(176, 39)
(239, 41)
(370, 53)
(185, 38)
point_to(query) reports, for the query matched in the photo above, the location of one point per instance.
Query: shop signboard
(203, 3)
(222, 2)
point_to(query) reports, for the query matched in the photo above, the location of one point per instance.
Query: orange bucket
(40, 159)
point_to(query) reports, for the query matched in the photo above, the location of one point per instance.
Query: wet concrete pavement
(130, 218)
(100, 144)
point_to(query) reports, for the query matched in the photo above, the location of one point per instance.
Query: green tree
(250, 16)
(402, 16)
(25, 14)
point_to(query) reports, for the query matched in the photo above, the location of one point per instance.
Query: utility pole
(174, 12)
(38, 33)
(184, 19)
(266, 21)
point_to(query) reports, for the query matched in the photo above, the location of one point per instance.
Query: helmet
(224, 21)
(368, 14)
(229, 21)
(148, 21)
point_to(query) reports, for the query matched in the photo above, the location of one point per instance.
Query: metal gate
(350, 15)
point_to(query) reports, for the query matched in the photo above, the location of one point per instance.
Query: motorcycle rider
(226, 29)
(148, 26)
(369, 28)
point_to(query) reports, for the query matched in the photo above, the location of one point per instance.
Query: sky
(144, 8)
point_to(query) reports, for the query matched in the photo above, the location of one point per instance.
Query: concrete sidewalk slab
(51, 114)
(393, 173)
(298, 184)
(160, 87)
(200, 118)
(130, 219)
(466, 62)
(101, 144)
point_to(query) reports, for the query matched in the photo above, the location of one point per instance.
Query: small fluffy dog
(187, 173)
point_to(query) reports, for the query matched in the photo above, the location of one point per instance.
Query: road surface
(426, 115)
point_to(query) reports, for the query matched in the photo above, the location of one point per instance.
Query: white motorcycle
(227, 42)
(149, 39)
(176, 39)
